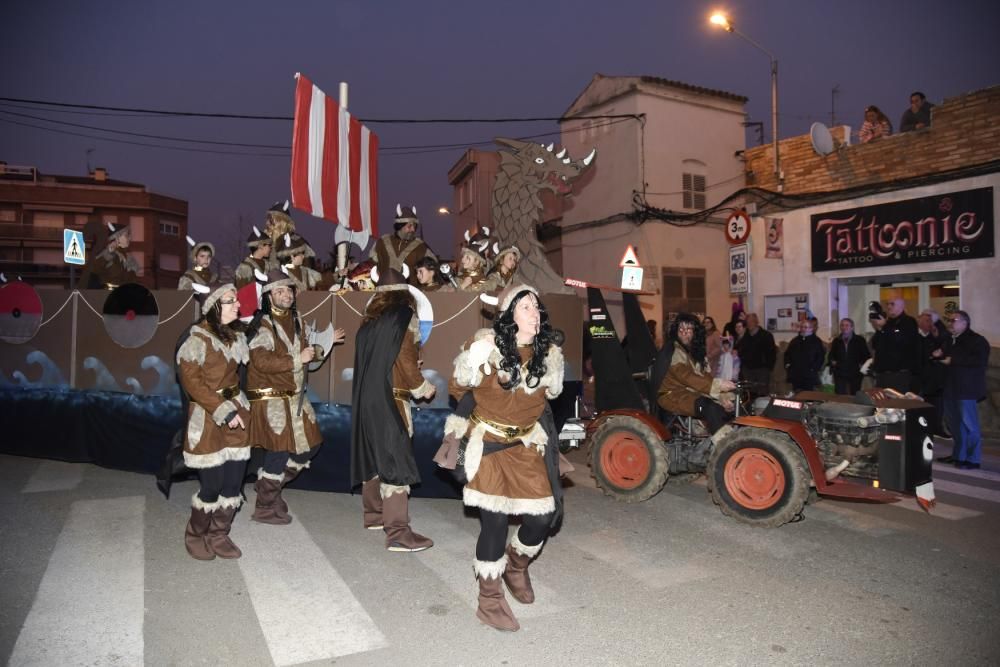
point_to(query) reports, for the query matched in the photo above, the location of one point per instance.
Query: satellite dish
(822, 140)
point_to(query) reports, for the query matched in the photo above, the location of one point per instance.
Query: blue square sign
(74, 250)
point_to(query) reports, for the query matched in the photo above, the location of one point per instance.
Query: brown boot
(218, 532)
(371, 504)
(493, 608)
(196, 532)
(516, 577)
(291, 472)
(396, 515)
(266, 509)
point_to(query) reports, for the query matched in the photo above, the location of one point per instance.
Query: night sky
(436, 59)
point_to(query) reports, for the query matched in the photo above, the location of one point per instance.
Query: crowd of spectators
(877, 125)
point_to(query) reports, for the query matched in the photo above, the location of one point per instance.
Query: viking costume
(277, 222)
(287, 246)
(244, 274)
(197, 275)
(282, 420)
(112, 266)
(207, 368)
(498, 278)
(477, 247)
(510, 453)
(386, 377)
(392, 251)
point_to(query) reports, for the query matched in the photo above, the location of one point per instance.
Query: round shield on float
(425, 313)
(131, 315)
(20, 312)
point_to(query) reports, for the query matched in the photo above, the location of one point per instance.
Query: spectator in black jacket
(804, 358)
(918, 116)
(757, 356)
(896, 348)
(966, 355)
(932, 371)
(848, 352)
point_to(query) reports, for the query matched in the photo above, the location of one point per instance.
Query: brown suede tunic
(406, 376)
(684, 383)
(275, 364)
(207, 367)
(244, 272)
(392, 251)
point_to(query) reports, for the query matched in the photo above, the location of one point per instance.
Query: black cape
(380, 444)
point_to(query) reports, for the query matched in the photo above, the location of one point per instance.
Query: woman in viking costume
(292, 250)
(473, 262)
(510, 457)
(216, 443)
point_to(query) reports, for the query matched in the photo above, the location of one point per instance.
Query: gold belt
(228, 393)
(268, 394)
(402, 394)
(508, 432)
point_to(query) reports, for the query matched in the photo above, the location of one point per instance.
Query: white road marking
(967, 490)
(940, 510)
(988, 475)
(54, 476)
(305, 609)
(451, 560)
(89, 606)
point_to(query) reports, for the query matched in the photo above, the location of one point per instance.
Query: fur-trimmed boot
(196, 532)
(493, 608)
(218, 531)
(396, 516)
(292, 470)
(371, 504)
(519, 557)
(266, 509)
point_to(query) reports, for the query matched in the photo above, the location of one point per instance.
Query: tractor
(762, 468)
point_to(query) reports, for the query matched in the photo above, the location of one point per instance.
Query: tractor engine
(849, 432)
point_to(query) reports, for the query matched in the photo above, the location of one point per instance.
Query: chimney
(100, 174)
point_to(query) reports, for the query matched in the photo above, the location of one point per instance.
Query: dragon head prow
(541, 165)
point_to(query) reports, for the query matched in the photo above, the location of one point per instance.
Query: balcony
(30, 232)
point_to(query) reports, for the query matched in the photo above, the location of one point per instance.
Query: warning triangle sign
(629, 258)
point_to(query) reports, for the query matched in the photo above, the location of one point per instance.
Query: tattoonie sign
(953, 226)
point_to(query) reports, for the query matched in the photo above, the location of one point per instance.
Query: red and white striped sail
(334, 163)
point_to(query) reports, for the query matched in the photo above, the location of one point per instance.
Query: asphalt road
(94, 572)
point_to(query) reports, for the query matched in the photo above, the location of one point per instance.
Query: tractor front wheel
(759, 477)
(628, 459)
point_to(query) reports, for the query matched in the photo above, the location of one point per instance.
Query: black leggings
(225, 480)
(713, 414)
(276, 462)
(493, 533)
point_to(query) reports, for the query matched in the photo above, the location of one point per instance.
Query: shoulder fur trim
(193, 350)
(264, 339)
(489, 569)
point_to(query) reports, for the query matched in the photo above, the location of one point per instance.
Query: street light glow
(444, 210)
(719, 19)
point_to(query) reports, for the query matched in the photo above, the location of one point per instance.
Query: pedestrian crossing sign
(74, 249)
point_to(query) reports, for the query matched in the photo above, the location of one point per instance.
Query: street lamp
(443, 210)
(721, 20)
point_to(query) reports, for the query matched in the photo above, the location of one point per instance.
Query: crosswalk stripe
(940, 510)
(451, 560)
(613, 548)
(305, 609)
(89, 606)
(967, 490)
(988, 475)
(54, 476)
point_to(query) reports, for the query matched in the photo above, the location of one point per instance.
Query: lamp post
(720, 19)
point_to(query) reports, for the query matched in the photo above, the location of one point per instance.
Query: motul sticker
(782, 403)
(893, 437)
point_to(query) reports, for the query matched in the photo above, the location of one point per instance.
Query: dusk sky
(434, 59)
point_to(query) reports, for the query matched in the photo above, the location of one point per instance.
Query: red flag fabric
(334, 163)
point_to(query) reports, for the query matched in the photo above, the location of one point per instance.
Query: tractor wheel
(759, 477)
(627, 459)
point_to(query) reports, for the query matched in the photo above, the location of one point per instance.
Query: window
(8, 215)
(170, 228)
(693, 186)
(683, 292)
(136, 227)
(170, 262)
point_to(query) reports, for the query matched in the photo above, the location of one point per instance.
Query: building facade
(662, 144)
(36, 207)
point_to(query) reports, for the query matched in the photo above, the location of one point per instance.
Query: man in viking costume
(292, 250)
(282, 420)
(215, 443)
(200, 272)
(260, 250)
(510, 457)
(386, 377)
(112, 266)
(403, 246)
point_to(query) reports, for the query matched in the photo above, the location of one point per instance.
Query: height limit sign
(739, 269)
